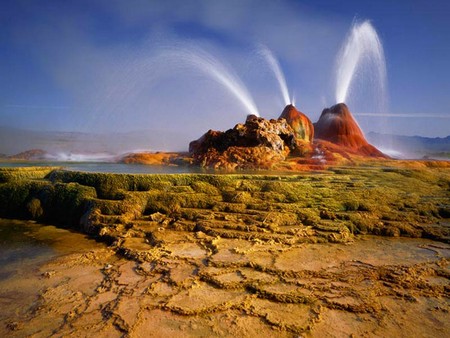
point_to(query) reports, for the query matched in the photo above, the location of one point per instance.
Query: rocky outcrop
(33, 154)
(258, 143)
(259, 157)
(156, 158)
(261, 143)
(299, 122)
(337, 125)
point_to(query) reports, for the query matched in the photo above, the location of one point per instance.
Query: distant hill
(413, 146)
(14, 141)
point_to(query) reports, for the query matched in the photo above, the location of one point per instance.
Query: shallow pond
(24, 248)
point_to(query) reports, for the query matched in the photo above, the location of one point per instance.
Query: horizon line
(420, 115)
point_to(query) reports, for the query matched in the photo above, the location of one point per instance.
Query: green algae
(342, 201)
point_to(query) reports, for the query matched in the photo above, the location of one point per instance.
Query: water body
(19, 247)
(122, 168)
(25, 249)
(24, 245)
(108, 167)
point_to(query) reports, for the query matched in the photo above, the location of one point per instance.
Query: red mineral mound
(301, 124)
(337, 125)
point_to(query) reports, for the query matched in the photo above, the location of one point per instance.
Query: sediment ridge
(329, 205)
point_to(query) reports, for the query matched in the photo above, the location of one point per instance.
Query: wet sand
(197, 285)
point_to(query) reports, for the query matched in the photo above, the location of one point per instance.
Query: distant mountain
(413, 146)
(14, 141)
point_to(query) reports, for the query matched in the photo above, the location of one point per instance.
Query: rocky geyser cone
(337, 125)
(299, 122)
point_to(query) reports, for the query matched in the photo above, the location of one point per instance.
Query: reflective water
(107, 167)
(24, 245)
(122, 168)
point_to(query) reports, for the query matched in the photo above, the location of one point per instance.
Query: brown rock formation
(337, 125)
(299, 122)
(156, 158)
(257, 143)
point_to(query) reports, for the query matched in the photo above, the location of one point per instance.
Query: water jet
(278, 73)
(214, 68)
(362, 54)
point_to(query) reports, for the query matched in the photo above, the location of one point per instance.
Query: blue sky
(100, 65)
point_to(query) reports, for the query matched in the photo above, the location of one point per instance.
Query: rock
(337, 125)
(153, 158)
(258, 143)
(299, 122)
(208, 140)
(34, 208)
(259, 157)
(158, 217)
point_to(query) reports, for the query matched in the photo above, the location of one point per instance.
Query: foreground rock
(329, 206)
(337, 125)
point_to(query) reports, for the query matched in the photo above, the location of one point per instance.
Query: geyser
(278, 73)
(211, 66)
(362, 53)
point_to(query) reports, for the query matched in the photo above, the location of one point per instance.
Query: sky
(149, 65)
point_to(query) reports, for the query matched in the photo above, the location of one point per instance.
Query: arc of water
(217, 70)
(276, 69)
(169, 60)
(361, 45)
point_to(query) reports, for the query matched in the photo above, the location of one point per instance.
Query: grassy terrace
(328, 206)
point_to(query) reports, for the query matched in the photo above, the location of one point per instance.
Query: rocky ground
(236, 288)
(340, 252)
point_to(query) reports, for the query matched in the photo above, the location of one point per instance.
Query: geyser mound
(299, 122)
(266, 144)
(258, 143)
(337, 125)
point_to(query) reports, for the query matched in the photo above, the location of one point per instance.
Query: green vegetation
(331, 205)
(21, 173)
